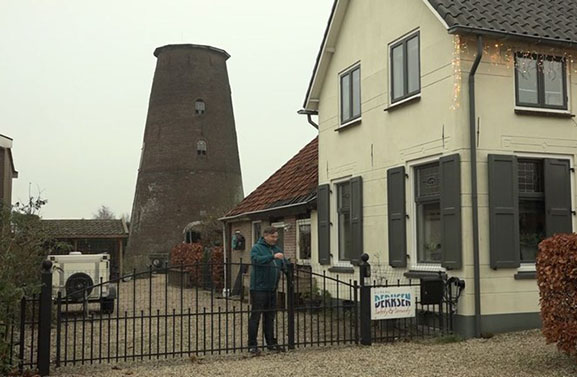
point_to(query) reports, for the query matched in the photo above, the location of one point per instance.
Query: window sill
(350, 123)
(413, 274)
(537, 111)
(406, 101)
(526, 275)
(342, 269)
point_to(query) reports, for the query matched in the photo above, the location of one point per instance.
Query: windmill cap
(189, 46)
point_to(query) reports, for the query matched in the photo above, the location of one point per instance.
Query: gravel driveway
(516, 354)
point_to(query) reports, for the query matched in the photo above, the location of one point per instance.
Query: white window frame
(335, 252)
(531, 267)
(252, 225)
(298, 234)
(284, 226)
(357, 119)
(280, 224)
(201, 148)
(411, 205)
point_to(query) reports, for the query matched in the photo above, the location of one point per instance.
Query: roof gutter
(309, 114)
(474, 193)
(266, 210)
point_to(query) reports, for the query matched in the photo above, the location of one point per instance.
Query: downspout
(474, 194)
(309, 114)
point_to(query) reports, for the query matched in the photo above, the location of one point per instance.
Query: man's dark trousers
(263, 302)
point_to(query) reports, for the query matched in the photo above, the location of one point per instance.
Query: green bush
(22, 243)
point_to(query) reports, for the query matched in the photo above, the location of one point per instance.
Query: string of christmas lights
(500, 54)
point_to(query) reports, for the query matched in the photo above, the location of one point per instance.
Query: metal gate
(172, 313)
(176, 312)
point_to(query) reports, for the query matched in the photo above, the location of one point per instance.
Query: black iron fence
(19, 332)
(187, 310)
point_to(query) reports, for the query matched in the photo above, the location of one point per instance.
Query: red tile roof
(294, 183)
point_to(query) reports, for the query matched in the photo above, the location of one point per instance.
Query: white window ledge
(543, 111)
(349, 124)
(392, 106)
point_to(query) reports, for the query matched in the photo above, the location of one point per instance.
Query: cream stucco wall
(384, 139)
(503, 131)
(431, 127)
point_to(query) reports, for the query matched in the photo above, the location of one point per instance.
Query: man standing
(267, 261)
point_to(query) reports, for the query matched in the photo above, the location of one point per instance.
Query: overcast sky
(75, 78)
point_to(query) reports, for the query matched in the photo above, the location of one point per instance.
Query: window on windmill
(199, 107)
(201, 148)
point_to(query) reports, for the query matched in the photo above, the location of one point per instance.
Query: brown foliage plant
(194, 258)
(557, 280)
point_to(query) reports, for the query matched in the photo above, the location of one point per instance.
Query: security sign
(393, 302)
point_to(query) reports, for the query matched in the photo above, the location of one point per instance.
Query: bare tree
(103, 213)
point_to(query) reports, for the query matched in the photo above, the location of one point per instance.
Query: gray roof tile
(553, 20)
(86, 228)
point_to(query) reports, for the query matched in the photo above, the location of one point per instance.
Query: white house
(447, 142)
(7, 171)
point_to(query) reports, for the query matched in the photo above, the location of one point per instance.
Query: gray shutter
(504, 212)
(324, 223)
(397, 217)
(558, 213)
(451, 234)
(357, 218)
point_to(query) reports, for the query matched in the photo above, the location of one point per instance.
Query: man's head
(270, 235)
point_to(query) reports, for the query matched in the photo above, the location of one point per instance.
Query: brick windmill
(189, 167)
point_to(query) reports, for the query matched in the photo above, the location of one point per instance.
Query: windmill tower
(189, 167)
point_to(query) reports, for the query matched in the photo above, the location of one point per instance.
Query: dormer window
(201, 148)
(199, 107)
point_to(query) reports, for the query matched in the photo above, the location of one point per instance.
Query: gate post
(290, 305)
(365, 315)
(45, 319)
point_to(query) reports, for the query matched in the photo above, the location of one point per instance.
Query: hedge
(557, 279)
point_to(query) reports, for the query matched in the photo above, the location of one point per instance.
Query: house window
(351, 95)
(201, 148)
(199, 107)
(540, 81)
(304, 239)
(256, 232)
(530, 198)
(405, 68)
(428, 205)
(344, 219)
(280, 228)
(531, 207)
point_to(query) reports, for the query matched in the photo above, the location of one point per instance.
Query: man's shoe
(254, 351)
(276, 348)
